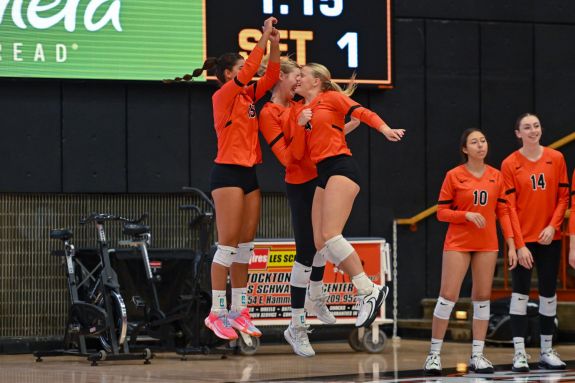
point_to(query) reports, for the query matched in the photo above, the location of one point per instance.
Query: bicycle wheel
(120, 318)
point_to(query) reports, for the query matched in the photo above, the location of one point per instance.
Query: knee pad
(518, 304)
(244, 253)
(338, 249)
(300, 275)
(224, 255)
(443, 308)
(548, 306)
(319, 257)
(481, 310)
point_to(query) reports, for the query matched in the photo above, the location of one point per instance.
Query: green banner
(101, 39)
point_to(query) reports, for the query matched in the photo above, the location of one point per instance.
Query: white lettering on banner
(39, 54)
(113, 15)
(68, 14)
(17, 51)
(61, 53)
(277, 300)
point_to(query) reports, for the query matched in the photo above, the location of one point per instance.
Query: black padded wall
(93, 138)
(506, 83)
(397, 173)
(31, 144)
(358, 141)
(202, 136)
(157, 138)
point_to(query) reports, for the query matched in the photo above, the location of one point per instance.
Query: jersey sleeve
(298, 135)
(445, 210)
(511, 197)
(259, 88)
(270, 126)
(562, 196)
(351, 108)
(502, 212)
(572, 218)
(226, 94)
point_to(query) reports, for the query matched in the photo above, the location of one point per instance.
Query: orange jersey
(538, 193)
(274, 124)
(462, 192)
(326, 136)
(572, 218)
(235, 117)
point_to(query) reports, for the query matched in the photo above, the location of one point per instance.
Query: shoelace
(301, 333)
(521, 355)
(322, 298)
(433, 359)
(480, 358)
(225, 321)
(552, 352)
(358, 302)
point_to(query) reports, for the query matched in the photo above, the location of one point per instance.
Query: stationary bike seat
(135, 229)
(63, 234)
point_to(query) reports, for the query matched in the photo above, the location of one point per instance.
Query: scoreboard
(159, 39)
(347, 36)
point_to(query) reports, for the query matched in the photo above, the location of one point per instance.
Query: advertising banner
(101, 39)
(270, 271)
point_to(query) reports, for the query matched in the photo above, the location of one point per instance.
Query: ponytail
(220, 64)
(208, 64)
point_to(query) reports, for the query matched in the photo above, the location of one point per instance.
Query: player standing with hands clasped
(537, 189)
(472, 197)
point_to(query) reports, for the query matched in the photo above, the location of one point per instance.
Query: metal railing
(413, 221)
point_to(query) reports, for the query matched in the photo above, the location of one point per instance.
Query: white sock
(519, 344)
(436, 345)
(477, 347)
(546, 342)
(297, 317)
(239, 299)
(219, 300)
(315, 288)
(362, 283)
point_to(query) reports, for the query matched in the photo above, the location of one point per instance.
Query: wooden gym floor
(334, 362)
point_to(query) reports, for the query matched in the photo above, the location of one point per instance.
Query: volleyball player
(472, 197)
(572, 225)
(233, 179)
(538, 193)
(301, 181)
(322, 115)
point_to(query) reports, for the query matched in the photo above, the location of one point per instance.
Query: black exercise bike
(169, 290)
(97, 308)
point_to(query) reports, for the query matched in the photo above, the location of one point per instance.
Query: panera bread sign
(100, 39)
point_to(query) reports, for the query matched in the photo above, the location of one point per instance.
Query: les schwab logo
(265, 258)
(33, 16)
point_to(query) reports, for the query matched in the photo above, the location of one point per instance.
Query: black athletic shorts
(224, 175)
(341, 165)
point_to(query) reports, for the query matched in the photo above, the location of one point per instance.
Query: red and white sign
(270, 272)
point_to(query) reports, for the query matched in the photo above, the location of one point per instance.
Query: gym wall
(457, 64)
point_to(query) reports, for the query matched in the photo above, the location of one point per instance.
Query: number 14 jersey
(538, 192)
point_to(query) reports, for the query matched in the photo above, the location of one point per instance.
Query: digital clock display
(347, 36)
